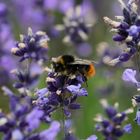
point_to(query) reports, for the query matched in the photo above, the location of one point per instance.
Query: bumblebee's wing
(80, 62)
(84, 61)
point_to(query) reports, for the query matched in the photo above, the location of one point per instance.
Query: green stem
(63, 122)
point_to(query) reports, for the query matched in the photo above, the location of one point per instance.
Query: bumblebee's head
(58, 67)
(63, 59)
(59, 63)
(66, 59)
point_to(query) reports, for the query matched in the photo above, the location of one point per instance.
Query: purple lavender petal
(33, 119)
(92, 137)
(76, 90)
(127, 128)
(129, 76)
(133, 31)
(51, 133)
(17, 135)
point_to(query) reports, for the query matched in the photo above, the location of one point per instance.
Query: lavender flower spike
(62, 92)
(32, 46)
(22, 120)
(111, 127)
(127, 30)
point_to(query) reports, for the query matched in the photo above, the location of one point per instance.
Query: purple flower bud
(111, 111)
(110, 128)
(33, 119)
(132, 50)
(74, 106)
(134, 31)
(118, 38)
(124, 57)
(124, 25)
(127, 128)
(105, 123)
(118, 132)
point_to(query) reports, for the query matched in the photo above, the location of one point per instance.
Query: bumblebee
(68, 64)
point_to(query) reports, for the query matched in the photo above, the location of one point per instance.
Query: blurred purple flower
(6, 43)
(51, 132)
(17, 135)
(24, 119)
(33, 119)
(39, 14)
(107, 52)
(127, 128)
(51, 5)
(61, 6)
(29, 14)
(129, 75)
(111, 127)
(16, 122)
(76, 25)
(84, 49)
(27, 78)
(3, 12)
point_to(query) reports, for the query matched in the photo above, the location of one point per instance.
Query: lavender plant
(111, 127)
(62, 89)
(61, 92)
(23, 119)
(128, 33)
(33, 106)
(32, 46)
(127, 30)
